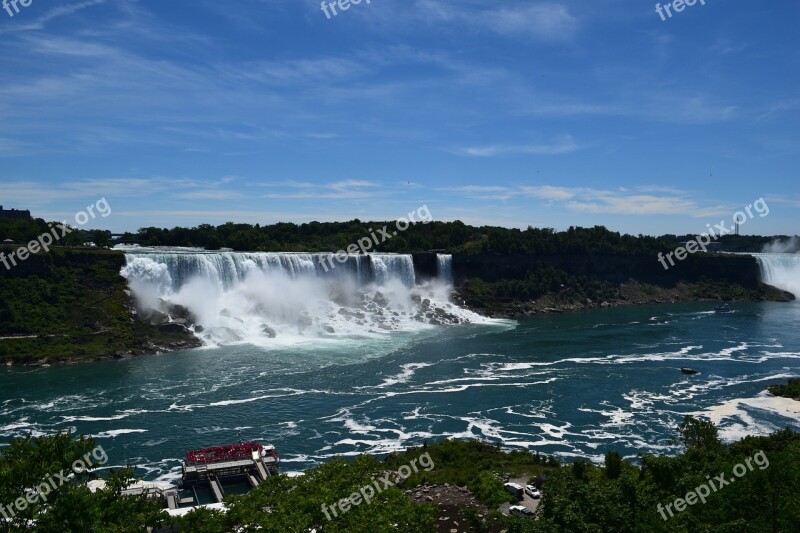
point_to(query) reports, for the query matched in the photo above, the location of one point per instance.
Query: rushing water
(573, 384)
(270, 299)
(781, 270)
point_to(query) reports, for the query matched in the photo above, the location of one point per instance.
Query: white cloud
(563, 145)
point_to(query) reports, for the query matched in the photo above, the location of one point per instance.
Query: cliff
(72, 305)
(514, 285)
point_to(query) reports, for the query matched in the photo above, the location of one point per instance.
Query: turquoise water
(572, 384)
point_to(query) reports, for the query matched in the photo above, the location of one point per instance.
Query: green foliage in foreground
(789, 390)
(475, 465)
(284, 504)
(619, 497)
(30, 462)
(624, 498)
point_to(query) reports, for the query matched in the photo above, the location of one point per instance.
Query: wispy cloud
(339, 190)
(540, 21)
(641, 201)
(563, 145)
(56, 12)
(623, 201)
(545, 21)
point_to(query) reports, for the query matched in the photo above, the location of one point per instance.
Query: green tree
(613, 465)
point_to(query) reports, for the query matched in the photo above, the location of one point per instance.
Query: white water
(444, 267)
(278, 298)
(781, 270)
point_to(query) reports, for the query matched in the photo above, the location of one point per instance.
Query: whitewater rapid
(286, 298)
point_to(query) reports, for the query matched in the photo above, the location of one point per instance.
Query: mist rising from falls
(269, 298)
(781, 270)
(782, 246)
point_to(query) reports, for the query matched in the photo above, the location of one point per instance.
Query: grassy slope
(73, 305)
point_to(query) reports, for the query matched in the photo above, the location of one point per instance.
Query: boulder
(179, 311)
(380, 299)
(172, 327)
(157, 317)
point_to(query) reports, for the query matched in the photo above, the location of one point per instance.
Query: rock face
(177, 311)
(738, 269)
(170, 318)
(172, 327)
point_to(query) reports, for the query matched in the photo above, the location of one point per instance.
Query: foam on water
(740, 417)
(542, 384)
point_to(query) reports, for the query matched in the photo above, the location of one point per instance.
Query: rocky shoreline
(631, 293)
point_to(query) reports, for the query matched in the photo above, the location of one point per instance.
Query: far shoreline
(631, 294)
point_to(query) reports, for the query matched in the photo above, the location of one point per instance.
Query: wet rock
(172, 327)
(157, 317)
(380, 299)
(329, 329)
(199, 329)
(179, 311)
(268, 331)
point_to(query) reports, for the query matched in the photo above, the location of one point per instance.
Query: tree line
(453, 237)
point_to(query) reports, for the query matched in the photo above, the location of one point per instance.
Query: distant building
(14, 213)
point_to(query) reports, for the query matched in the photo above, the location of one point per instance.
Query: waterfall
(781, 270)
(386, 266)
(263, 298)
(444, 268)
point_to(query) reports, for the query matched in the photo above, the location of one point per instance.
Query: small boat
(689, 371)
(724, 308)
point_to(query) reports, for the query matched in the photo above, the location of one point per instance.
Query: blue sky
(508, 113)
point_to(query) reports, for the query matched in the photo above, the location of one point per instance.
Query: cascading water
(386, 267)
(444, 268)
(268, 298)
(781, 270)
